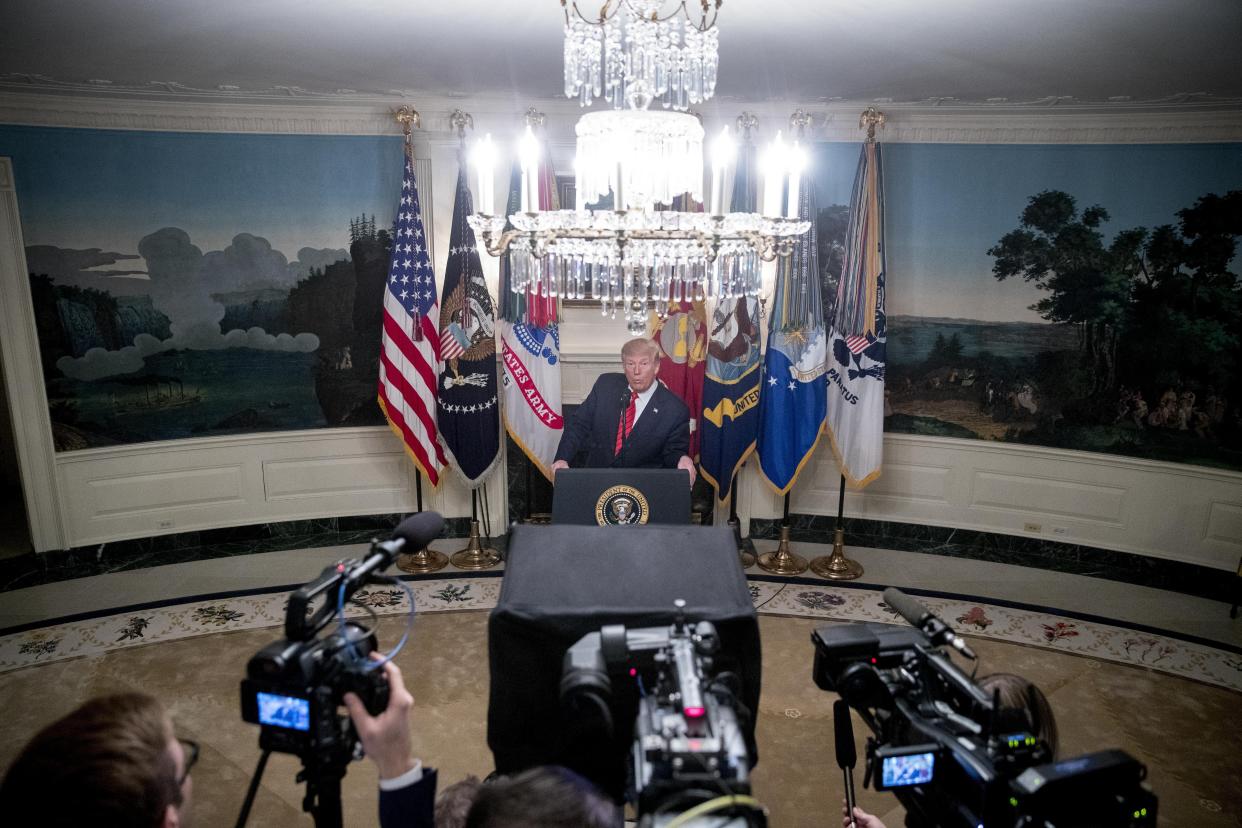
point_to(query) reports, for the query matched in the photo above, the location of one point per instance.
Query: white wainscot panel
(132, 494)
(1224, 524)
(1048, 496)
(1162, 510)
(158, 488)
(319, 476)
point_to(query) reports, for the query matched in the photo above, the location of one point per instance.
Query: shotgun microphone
(938, 632)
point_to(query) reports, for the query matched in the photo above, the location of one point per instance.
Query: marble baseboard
(1070, 558)
(186, 547)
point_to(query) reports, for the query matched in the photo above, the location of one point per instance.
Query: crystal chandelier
(631, 54)
(639, 255)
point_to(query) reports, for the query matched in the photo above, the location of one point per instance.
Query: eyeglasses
(189, 749)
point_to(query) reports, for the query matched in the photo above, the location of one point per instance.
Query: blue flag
(729, 420)
(469, 412)
(793, 402)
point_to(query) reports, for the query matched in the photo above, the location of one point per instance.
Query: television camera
(689, 755)
(948, 750)
(294, 687)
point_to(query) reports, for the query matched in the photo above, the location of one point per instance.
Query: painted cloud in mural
(184, 284)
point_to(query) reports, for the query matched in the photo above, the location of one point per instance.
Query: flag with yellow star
(793, 389)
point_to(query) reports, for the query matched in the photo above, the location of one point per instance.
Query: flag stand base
(836, 566)
(475, 555)
(781, 561)
(747, 559)
(421, 562)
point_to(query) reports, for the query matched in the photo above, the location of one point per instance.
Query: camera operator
(407, 789)
(113, 761)
(1017, 696)
(542, 797)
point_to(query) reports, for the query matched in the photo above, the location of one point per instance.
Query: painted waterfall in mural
(189, 285)
(1078, 297)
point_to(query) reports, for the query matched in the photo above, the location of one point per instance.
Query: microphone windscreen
(906, 607)
(843, 729)
(419, 529)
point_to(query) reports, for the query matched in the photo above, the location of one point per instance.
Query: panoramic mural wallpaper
(1073, 296)
(189, 285)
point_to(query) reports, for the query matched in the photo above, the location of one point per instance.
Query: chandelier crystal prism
(632, 55)
(636, 255)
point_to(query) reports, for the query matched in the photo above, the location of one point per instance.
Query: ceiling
(805, 51)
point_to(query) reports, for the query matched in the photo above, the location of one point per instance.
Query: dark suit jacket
(660, 437)
(413, 806)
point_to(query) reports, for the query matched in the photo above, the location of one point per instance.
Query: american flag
(856, 344)
(410, 350)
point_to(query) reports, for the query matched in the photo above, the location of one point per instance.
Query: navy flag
(793, 403)
(729, 420)
(469, 416)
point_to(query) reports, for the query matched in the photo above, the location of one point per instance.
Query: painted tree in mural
(1159, 316)
(1088, 283)
(1187, 307)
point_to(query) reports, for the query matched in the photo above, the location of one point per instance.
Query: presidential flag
(530, 350)
(858, 334)
(410, 341)
(792, 401)
(469, 411)
(730, 418)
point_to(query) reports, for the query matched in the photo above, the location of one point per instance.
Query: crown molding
(1183, 119)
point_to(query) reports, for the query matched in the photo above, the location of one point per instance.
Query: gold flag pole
(475, 555)
(426, 559)
(837, 567)
(783, 560)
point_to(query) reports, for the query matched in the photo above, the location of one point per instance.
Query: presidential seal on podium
(621, 506)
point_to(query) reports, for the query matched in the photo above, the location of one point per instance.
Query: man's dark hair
(543, 797)
(106, 765)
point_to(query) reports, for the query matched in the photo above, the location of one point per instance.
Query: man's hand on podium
(686, 463)
(558, 465)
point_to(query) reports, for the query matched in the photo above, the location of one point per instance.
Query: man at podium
(630, 420)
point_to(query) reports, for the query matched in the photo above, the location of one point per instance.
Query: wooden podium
(621, 497)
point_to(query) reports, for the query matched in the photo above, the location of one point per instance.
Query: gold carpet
(1185, 731)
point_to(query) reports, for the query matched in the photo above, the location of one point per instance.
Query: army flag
(730, 413)
(530, 350)
(792, 401)
(409, 339)
(469, 411)
(858, 333)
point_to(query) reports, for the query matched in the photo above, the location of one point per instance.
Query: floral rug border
(1091, 639)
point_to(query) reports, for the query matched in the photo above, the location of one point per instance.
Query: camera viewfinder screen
(284, 711)
(910, 769)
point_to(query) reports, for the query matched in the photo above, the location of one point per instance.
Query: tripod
(322, 771)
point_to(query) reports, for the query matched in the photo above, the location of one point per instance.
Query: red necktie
(626, 424)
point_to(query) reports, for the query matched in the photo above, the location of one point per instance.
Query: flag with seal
(469, 411)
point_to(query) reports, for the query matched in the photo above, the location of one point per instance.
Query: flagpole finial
(409, 118)
(534, 118)
(459, 120)
(799, 121)
(870, 119)
(746, 122)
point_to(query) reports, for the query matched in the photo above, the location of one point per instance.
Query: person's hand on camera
(386, 738)
(862, 819)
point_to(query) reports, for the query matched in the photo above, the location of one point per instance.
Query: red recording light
(694, 712)
(340, 567)
(633, 672)
(875, 660)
